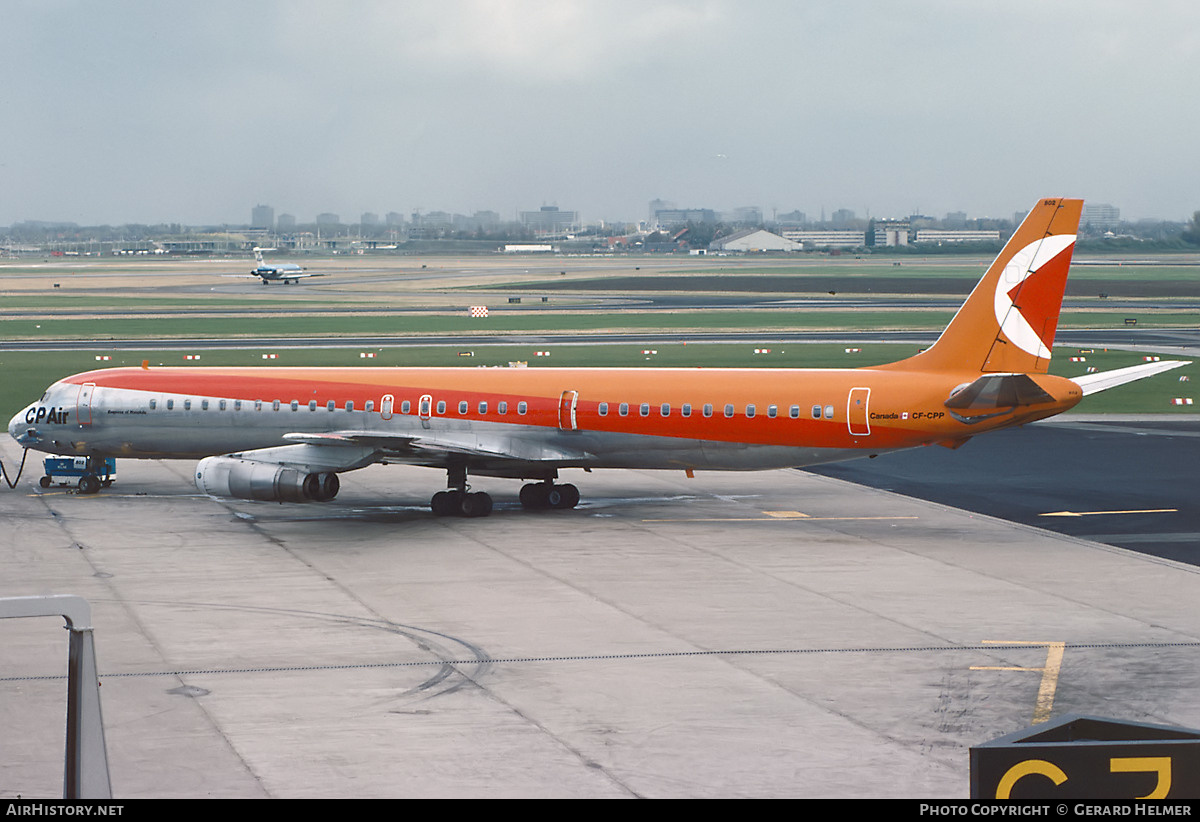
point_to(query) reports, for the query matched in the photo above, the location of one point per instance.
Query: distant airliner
(286, 273)
(284, 434)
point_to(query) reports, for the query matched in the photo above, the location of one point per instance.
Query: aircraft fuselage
(726, 419)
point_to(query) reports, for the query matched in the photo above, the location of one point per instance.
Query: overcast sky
(119, 112)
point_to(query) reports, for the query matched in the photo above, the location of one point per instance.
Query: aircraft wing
(439, 446)
(1094, 383)
(279, 275)
(311, 458)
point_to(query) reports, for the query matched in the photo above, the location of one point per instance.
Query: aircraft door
(856, 412)
(425, 409)
(385, 406)
(566, 410)
(83, 404)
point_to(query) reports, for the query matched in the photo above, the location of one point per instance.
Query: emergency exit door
(856, 412)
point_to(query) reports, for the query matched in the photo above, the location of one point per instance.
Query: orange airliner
(284, 434)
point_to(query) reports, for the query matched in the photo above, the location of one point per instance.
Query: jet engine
(267, 481)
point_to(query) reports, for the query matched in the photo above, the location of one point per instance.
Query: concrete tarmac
(776, 634)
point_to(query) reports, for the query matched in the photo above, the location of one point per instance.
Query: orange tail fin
(1007, 324)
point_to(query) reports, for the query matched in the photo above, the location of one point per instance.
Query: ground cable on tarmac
(12, 483)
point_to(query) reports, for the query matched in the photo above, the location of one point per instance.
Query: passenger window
(405, 407)
(502, 407)
(462, 406)
(750, 411)
(349, 405)
(829, 412)
(644, 409)
(729, 410)
(295, 404)
(237, 405)
(772, 411)
(312, 405)
(441, 408)
(794, 412)
(686, 410)
(187, 405)
(275, 405)
(203, 405)
(816, 412)
(170, 405)
(665, 409)
(522, 407)
(370, 406)
(221, 405)
(623, 409)
(153, 404)
(482, 407)
(330, 406)
(707, 410)
(603, 409)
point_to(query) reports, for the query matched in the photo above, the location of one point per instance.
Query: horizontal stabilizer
(1094, 383)
(997, 391)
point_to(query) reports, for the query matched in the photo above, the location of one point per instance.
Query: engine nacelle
(267, 481)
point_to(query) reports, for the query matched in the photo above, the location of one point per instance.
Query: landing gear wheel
(570, 496)
(530, 495)
(478, 504)
(461, 504)
(446, 503)
(540, 496)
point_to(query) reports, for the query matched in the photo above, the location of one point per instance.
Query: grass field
(125, 291)
(850, 319)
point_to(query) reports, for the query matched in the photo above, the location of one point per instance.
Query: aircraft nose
(20, 430)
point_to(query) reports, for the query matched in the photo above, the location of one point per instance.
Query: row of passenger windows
(707, 410)
(643, 410)
(275, 405)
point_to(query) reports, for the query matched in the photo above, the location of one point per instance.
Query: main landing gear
(539, 496)
(460, 503)
(457, 501)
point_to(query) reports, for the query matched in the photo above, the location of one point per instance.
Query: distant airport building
(820, 238)
(550, 220)
(433, 220)
(754, 239)
(891, 233)
(286, 222)
(485, 220)
(262, 216)
(657, 206)
(792, 218)
(394, 219)
(939, 235)
(747, 215)
(368, 219)
(1100, 217)
(679, 216)
(843, 216)
(327, 218)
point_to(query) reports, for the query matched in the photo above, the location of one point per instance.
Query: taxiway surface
(771, 634)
